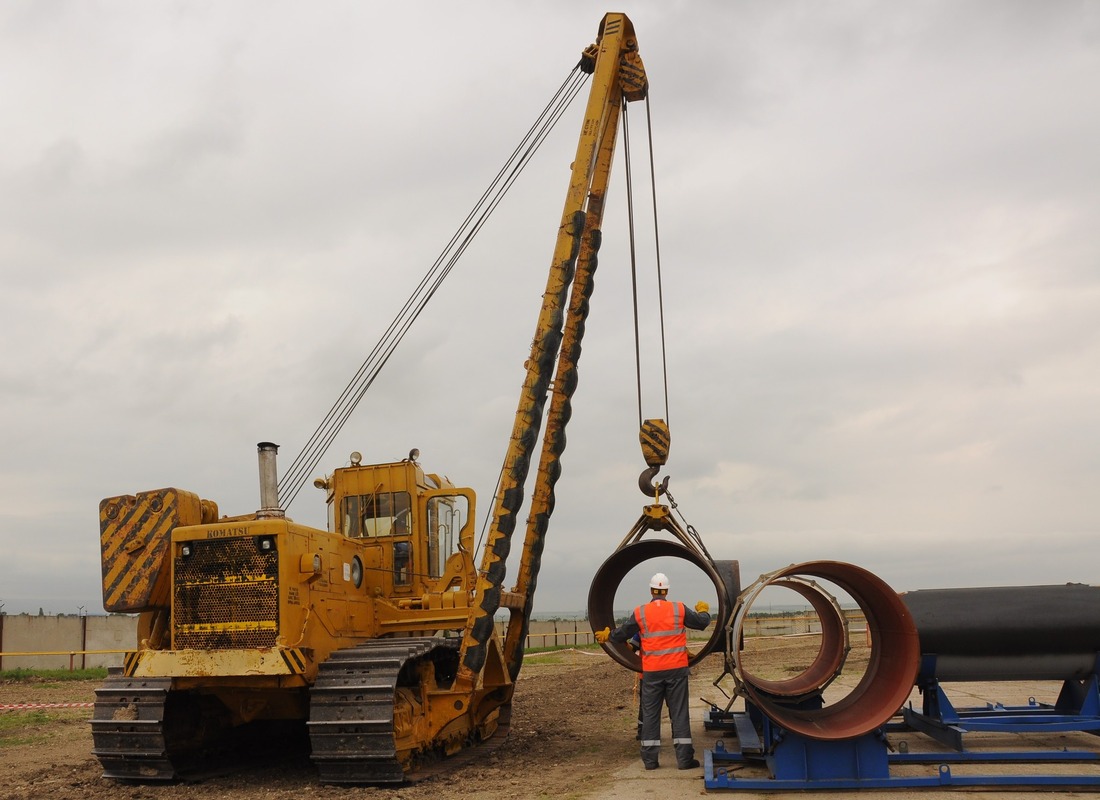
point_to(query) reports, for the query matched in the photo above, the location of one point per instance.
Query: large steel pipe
(831, 653)
(601, 595)
(891, 669)
(1008, 633)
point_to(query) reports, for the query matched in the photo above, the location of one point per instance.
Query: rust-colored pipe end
(891, 670)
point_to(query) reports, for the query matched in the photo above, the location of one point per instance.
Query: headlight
(310, 564)
(356, 572)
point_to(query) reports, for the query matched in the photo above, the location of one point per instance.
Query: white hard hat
(659, 581)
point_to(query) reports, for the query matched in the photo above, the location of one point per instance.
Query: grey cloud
(877, 243)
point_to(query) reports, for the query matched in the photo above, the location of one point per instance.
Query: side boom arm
(617, 74)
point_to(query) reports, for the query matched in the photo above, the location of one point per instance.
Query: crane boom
(618, 75)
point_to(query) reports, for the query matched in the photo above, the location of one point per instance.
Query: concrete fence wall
(71, 642)
(64, 642)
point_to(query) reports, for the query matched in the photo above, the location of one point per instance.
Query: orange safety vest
(664, 637)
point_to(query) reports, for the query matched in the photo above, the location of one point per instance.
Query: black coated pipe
(1007, 632)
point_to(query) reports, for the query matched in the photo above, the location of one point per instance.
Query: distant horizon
(540, 616)
(543, 616)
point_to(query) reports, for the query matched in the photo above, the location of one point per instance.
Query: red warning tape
(18, 706)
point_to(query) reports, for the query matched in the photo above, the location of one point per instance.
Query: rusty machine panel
(226, 593)
(134, 536)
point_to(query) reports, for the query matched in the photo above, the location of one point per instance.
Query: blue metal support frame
(796, 763)
(1077, 709)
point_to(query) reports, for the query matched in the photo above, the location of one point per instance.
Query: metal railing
(72, 654)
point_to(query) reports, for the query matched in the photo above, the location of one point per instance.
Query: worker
(662, 624)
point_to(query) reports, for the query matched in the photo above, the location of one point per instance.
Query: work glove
(603, 636)
(702, 607)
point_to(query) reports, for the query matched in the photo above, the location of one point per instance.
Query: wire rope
(634, 259)
(313, 451)
(657, 256)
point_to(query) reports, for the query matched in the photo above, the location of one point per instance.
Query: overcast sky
(880, 243)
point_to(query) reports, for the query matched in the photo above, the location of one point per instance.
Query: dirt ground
(568, 726)
(572, 737)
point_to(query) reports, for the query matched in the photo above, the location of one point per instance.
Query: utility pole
(83, 637)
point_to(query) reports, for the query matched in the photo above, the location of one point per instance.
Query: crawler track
(351, 725)
(128, 729)
(145, 732)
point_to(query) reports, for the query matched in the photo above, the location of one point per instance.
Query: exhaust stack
(269, 480)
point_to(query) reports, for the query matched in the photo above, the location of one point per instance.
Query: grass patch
(556, 655)
(23, 727)
(528, 651)
(52, 675)
(10, 722)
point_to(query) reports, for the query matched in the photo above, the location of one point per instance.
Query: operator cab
(410, 522)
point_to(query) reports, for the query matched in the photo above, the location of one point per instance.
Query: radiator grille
(226, 595)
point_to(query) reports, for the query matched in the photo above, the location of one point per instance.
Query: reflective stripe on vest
(664, 637)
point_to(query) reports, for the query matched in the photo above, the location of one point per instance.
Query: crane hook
(648, 487)
(655, 440)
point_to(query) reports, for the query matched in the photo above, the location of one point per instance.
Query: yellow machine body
(379, 631)
(257, 602)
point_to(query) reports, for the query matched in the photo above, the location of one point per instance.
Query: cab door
(448, 542)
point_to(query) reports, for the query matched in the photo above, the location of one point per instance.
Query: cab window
(378, 514)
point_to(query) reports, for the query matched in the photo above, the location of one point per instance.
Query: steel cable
(294, 478)
(633, 259)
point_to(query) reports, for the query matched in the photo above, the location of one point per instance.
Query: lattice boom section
(226, 595)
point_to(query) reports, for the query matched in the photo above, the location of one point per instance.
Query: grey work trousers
(666, 686)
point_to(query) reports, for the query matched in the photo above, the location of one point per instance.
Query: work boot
(653, 765)
(689, 765)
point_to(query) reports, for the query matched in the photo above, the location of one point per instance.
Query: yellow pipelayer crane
(377, 633)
